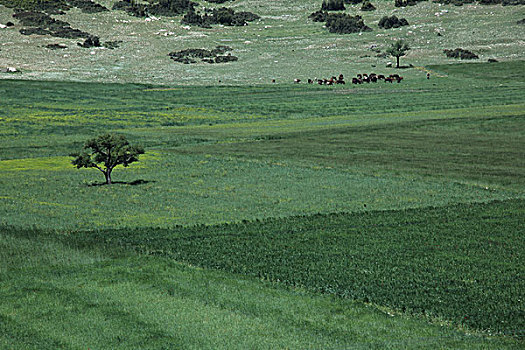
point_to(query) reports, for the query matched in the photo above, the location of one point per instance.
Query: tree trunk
(397, 66)
(108, 177)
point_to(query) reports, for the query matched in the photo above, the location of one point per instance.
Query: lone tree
(105, 152)
(398, 49)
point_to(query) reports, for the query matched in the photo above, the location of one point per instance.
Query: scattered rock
(9, 70)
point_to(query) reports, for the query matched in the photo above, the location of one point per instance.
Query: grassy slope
(57, 296)
(281, 45)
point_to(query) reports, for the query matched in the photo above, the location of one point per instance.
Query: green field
(355, 224)
(266, 216)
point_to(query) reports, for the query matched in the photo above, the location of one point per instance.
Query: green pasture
(58, 296)
(254, 202)
(220, 154)
(419, 261)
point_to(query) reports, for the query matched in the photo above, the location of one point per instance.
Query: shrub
(226, 58)
(461, 54)
(56, 46)
(42, 24)
(319, 16)
(333, 5)
(223, 15)
(483, 2)
(91, 41)
(345, 24)
(87, 6)
(156, 8)
(521, 21)
(404, 3)
(209, 56)
(392, 22)
(367, 6)
(48, 6)
(54, 7)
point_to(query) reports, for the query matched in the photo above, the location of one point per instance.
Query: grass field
(426, 250)
(266, 216)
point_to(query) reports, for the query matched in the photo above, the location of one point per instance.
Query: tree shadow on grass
(130, 183)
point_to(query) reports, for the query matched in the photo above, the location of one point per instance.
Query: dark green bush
(333, 5)
(42, 24)
(319, 16)
(155, 8)
(461, 54)
(345, 24)
(209, 56)
(392, 22)
(91, 41)
(483, 2)
(367, 6)
(223, 15)
(404, 3)
(54, 6)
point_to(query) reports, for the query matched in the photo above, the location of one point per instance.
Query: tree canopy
(105, 152)
(398, 49)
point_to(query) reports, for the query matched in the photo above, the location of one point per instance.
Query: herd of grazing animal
(358, 79)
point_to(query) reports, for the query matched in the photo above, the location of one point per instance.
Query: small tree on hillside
(398, 49)
(105, 152)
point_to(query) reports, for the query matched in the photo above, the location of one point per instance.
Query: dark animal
(297, 81)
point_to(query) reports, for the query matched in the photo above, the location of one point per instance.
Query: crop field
(266, 215)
